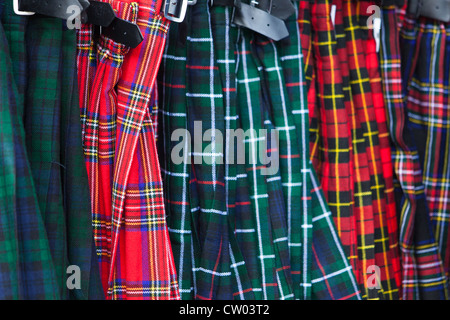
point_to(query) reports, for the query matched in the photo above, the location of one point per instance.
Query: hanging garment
(243, 229)
(128, 215)
(46, 223)
(349, 140)
(415, 71)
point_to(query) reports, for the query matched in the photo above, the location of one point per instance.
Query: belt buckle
(174, 12)
(21, 13)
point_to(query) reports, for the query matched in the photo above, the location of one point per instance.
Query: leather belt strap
(433, 9)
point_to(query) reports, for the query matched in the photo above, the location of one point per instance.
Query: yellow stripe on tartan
(370, 246)
(376, 181)
(432, 124)
(152, 289)
(429, 29)
(150, 222)
(360, 81)
(429, 84)
(146, 190)
(329, 43)
(381, 239)
(335, 150)
(341, 203)
(100, 156)
(360, 194)
(325, 96)
(426, 246)
(91, 154)
(428, 284)
(364, 256)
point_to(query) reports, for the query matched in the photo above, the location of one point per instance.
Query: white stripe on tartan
(244, 230)
(215, 273)
(285, 128)
(171, 57)
(254, 173)
(204, 95)
(333, 274)
(336, 239)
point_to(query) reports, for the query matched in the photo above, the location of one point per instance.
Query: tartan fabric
(282, 242)
(128, 213)
(414, 58)
(349, 140)
(27, 270)
(330, 140)
(50, 172)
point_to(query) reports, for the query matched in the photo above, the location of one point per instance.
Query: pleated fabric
(414, 69)
(349, 140)
(117, 109)
(46, 221)
(253, 229)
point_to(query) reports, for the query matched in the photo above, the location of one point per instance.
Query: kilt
(239, 232)
(349, 138)
(46, 224)
(418, 108)
(128, 215)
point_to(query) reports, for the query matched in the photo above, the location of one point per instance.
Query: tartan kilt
(424, 46)
(49, 199)
(349, 139)
(237, 232)
(128, 214)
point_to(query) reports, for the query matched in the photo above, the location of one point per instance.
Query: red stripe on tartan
(242, 292)
(349, 296)
(215, 267)
(202, 67)
(292, 156)
(294, 84)
(211, 182)
(178, 202)
(176, 86)
(323, 272)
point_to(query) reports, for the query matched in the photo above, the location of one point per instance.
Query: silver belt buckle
(18, 12)
(173, 11)
(176, 13)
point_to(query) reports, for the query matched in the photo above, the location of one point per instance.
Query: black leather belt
(264, 16)
(433, 9)
(55, 8)
(388, 3)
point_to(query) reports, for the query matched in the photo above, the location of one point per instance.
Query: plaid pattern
(270, 236)
(27, 270)
(414, 58)
(349, 140)
(51, 205)
(129, 222)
